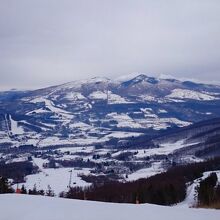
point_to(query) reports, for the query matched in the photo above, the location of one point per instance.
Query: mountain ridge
(99, 109)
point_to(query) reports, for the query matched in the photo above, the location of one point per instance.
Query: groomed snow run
(192, 195)
(26, 207)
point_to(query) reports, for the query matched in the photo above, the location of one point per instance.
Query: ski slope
(26, 207)
(192, 195)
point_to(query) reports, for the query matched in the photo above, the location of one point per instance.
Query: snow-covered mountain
(96, 110)
(133, 128)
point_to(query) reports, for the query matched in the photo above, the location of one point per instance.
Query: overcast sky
(47, 42)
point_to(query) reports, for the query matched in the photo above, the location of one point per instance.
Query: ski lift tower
(107, 93)
(70, 180)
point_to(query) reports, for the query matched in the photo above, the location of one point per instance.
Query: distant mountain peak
(140, 79)
(99, 79)
(143, 77)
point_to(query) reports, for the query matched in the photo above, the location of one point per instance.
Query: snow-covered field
(123, 120)
(26, 207)
(58, 179)
(164, 148)
(146, 172)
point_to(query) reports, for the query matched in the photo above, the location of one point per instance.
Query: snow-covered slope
(191, 196)
(108, 107)
(26, 207)
(189, 94)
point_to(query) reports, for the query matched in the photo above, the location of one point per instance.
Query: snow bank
(26, 207)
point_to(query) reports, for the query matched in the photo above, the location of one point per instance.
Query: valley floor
(25, 207)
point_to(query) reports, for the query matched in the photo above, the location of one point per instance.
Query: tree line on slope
(209, 192)
(5, 187)
(167, 188)
(17, 170)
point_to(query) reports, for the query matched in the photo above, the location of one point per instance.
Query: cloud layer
(46, 42)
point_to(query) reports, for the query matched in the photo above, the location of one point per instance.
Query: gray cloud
(46, 42)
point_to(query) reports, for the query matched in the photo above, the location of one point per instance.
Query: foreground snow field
(25, 207)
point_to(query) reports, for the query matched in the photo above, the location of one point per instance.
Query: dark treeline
(35, 191)
(164, 189)
(209, 192)
(5, 186)
(17, 170)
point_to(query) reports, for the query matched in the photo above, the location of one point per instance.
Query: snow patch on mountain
(60, 113)
(162, 111)
(15, 128)
(163, 148)
(154, 121)
(81, 125)
(189, 94)
(116, 99)
(98, 95)
(123, 120)
(108, 96)
(147, 97)
(121, 134)
(74, 96)
(146, 172)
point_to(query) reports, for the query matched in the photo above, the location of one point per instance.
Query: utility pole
(70, 180)
(107, 93)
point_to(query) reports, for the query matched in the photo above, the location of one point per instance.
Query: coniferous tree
(49, 191)
(4, 186)
(206, 190)
(23, 190)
